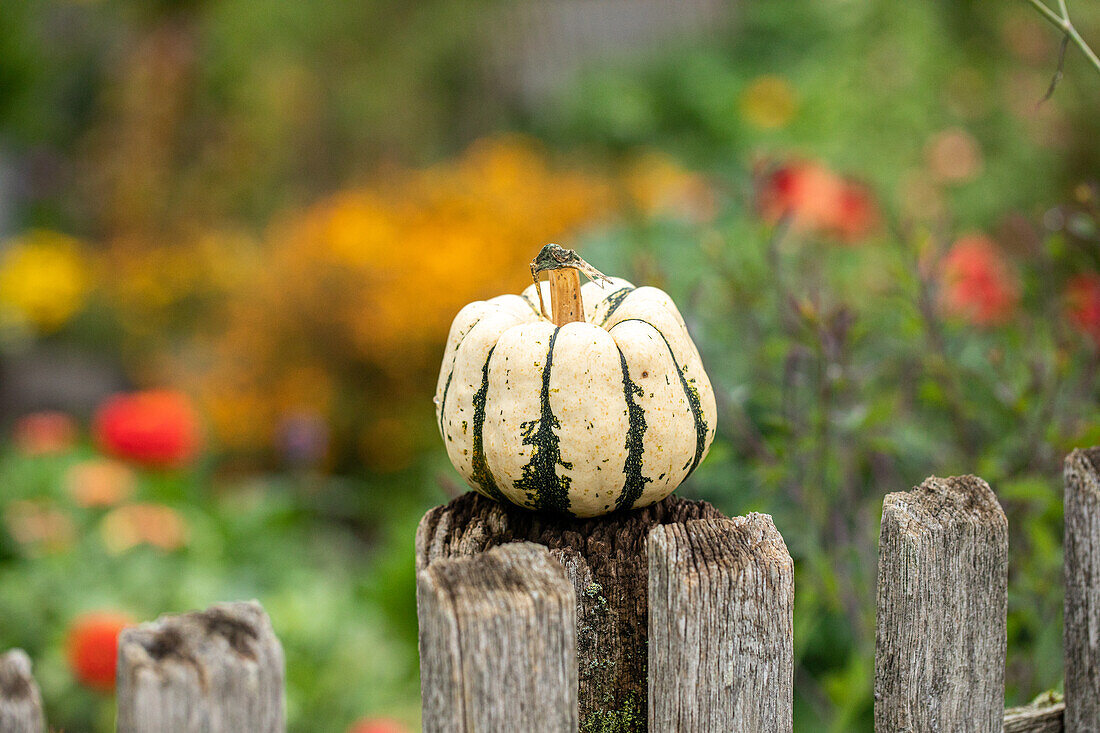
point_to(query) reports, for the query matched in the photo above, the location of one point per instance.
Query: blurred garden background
(233, 235)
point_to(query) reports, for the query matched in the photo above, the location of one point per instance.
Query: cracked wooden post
(605, 558)
(942, 603)
(20, 700)
(721, 634)
(498, 645)
(214, 671)
(1081, 633)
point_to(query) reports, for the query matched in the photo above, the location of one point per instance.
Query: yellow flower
(44, 278)
(768, 102)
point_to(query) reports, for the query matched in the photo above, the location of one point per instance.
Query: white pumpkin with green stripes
(586, 418)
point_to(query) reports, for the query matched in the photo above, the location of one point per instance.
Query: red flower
(1083, 305)
(855, 213)
(378, 725)
(92, 648)
(41, 433)
(156, 428)
(818, 201)
(978, 284)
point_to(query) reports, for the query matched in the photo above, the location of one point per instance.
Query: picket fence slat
(1081, 632)
(216, 671)
(721, 640)
(942, 603)
(20, 700)
(498, 645)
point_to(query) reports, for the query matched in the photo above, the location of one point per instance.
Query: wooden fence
(520, 615)
(215, 671)
(671, 618)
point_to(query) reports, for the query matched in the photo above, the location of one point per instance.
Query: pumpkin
(609, 411)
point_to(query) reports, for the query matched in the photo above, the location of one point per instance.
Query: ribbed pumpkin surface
(582, 419)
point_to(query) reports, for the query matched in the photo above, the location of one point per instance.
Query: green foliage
(873, 83)
(342, 608)
(840, 377)
(839, 373)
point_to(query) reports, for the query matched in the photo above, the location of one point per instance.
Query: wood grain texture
(565, 296)
(721, 639)
(942, 602)
(1043, 715)
(498, 644)
(606, 560)
(1081, 633)
(216, 671)
(20, 700)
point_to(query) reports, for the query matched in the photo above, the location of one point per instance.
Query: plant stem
(1063, 23)
(565, 296)
(564, 266)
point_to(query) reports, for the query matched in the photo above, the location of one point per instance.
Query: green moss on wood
(629, 718)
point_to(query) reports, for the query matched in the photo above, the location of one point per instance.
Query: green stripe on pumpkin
(615, 299)
(635, 481)
(533, 308)
(690, 391)
(544, 488)
(447, 386)
(443, 403)
(480, 472)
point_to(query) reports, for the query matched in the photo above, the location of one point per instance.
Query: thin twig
(1064, 24)
(1057, 72)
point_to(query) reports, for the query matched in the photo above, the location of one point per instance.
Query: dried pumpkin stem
(565, 296)
(563, 266)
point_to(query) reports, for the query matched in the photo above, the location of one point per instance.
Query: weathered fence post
(215, 671)
(721, 641)
(605, 558)
(20, 700)
(498, 645)
(942, 603)
(1081, 632)
(1042, 715)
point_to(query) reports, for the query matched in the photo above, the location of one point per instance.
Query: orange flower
(100, 482)
(335, 297)
(378, 725)
(134, 524)
(954, 156)
(817, 200)
(157, 428)
(1083, 305)
(855, 213)
(42, 433)
(657, 185)
(978, 284)
(91, 646)
(39, 525)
